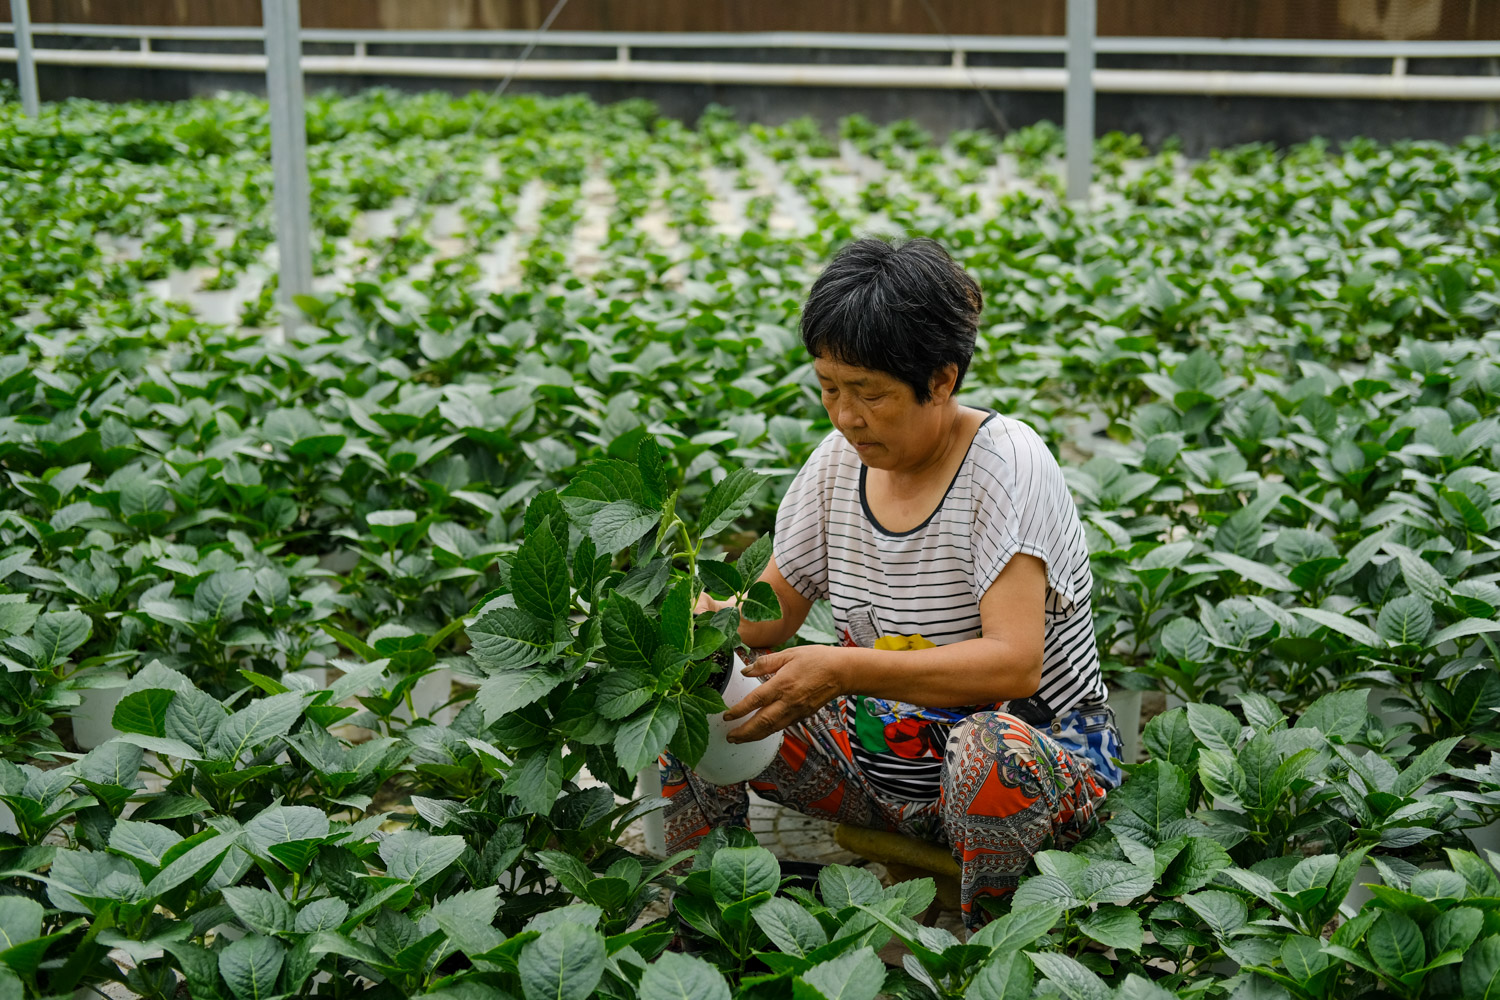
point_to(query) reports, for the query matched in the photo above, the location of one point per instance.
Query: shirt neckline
(864, 500)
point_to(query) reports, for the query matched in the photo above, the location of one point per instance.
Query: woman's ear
(942, 383)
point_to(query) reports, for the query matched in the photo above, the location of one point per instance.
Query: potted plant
(591, 645)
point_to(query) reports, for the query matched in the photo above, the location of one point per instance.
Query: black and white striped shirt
(1008, 496)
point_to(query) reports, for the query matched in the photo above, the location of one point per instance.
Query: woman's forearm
(972, 672)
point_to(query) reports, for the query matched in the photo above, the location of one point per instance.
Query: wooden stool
(907, 858)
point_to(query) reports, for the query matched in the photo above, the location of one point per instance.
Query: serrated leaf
(641, 738)
(737, 873)
(250, 967)
(854, 975)
(565, 962)
(730, 498)
(1114, 927)
(675, 976)
(621, 524)
(539, 578)
(1467, 627)
(508, 639)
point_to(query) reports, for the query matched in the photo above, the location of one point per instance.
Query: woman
(920, 517)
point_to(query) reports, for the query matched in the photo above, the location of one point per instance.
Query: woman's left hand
(803, 680)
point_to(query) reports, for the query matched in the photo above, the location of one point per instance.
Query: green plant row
(1271, 378)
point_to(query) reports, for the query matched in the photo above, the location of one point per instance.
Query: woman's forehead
(841, 371)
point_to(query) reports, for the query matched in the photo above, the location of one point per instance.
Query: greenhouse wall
(1392, 19)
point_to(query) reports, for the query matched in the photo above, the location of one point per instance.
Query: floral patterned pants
(1008, 791)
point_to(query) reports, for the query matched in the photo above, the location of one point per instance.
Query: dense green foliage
(1272, 378)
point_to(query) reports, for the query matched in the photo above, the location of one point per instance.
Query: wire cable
(989, 101)
(468, 133)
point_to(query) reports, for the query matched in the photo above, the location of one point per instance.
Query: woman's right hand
(707, 604)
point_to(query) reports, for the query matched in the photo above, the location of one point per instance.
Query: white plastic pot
(432, 690)
(726, 763)
(1126, 705)
(92, 719)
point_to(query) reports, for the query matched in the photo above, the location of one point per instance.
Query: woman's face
(879, 414)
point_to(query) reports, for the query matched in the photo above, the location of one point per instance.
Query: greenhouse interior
(517, 499)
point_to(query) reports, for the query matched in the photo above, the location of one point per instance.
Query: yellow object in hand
(899, 642)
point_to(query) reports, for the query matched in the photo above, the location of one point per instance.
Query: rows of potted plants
(260, 565)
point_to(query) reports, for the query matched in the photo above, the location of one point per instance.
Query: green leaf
(509, 690)
(621, 524)
(630, 638)
(260, 910)
(1223, 912)
(1467, 627)
(417, 857)
(1303, 957)
(257, 724)
(535, 779)
(143, 712)
(675, 976)
(1071, 977)
(738, 873)
(220, 597)
(1479, 973)
(1004, 976)
(20, 921)
(720, 579)
(508, 639)
(622, 692)
(250, 966)
(58, 633)
(1395, 943)
(641, 738)
(1194, 867)
(1255, 572)
(1406, 620)
(1114, 927)
(842, 886)
(690, 741)
(276, 825)
(198, 858)
(754, 560)
(539, 578)
(1214, 726)
(1343, 624)
(1157, 794)
(1169, 738)
(677, 616)
(1420, 576)
(789, 926)
(565, 962)
(760, 603)
(1340, 714)
(730, 498)
(854, 975)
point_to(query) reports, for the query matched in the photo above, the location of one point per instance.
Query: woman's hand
(803, 680)
(706, 603)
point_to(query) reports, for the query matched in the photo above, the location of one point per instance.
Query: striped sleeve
(1024, 505)
(801, 543)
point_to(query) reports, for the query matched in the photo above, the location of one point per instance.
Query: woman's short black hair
(904, 309)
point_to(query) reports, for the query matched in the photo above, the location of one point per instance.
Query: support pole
(1078, 108)
(20, 16)
(283, 22)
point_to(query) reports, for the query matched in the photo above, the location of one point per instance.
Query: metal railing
(626, 56)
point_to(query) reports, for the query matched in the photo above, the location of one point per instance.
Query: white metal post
(1078, 105)
(20, 17)
(283, 25)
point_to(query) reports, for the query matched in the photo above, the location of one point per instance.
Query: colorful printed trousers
(1008, 791)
